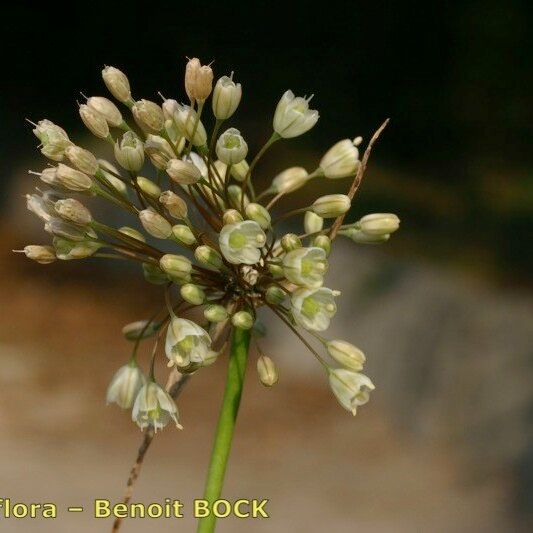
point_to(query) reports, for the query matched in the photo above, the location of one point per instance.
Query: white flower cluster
(232, 264)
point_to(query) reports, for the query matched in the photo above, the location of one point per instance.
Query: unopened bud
(141, 329)
(267, 371)
(148, 187)
(67, 230)
(331, 205)
(107, 109)
(324, 242)
(176, 266)
(258, 213)
(290, 242)
(183, 172)
(117, 83)
(346, 354)
(175, 205)
(378, 224)
(208, 256)
(289, 180)
(215, 313)
(159, 151)
(231, 216)
(67, 250)
(360, 237)
(148, 115)
(192, 293)
(276, 270)
(41, 254)
(73, 211)
(72, 179)
(95, 122)
(82, 159)
(198, 80)
(242, 320)
(133, 233)
(274, 295)
(155, 224)
(341, 160)
(312, 222)
(235, 196)
(226, 97)
(153, 274)
(239, 171)
(188, 123)
(183, 234)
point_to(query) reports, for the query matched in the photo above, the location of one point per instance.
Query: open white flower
(340, 160)
(125, 385)
(187, 122)
(240, 243)
(154, 407)
(313, 309)
(226, 97)
(129, 152)
(305, 266)
(231, 147)
(54, 139)
(186, 343)
(293, 116)
(352, 389)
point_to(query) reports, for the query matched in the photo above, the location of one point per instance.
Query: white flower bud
(293, 116)
(192, 293)
(82, 159)
(106, 169)
(129, 152)
(117, 83)
(341, 160)
(312, 222)
(72, 179)
(133, 233)
(41, 254)
(125, 386)
(231, 216)
(358, 236)
(208, 257)
(175, 205)
(183, 172)
(350, 388)
(95, 122)
(346, 354)
(148, 115)
(198, 80)
(140, 329)
(153, 274)
(107, 109)
(183, 234)
(258, 213)
(54, 139)
(176, 266)
(275, 295)
(154, 407)
(305, 266)
(159, 151)
(313, 309)
(331, 205)
(324, 242)
(290, 242)
(148, 187)
(267, 371)
(186, 119)
(231, 148)
(289, 180)
(235, 196)
(73, 211)
(240, 243)
(239, 171)
(242, 320)
(155, 224)
(379, 224)
(226, 97)
(215, 313)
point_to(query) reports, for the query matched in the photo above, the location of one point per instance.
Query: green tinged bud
(242, 320)
(324, 242)
(153, 274)
(215, 313)
(274, 295)
(259, 214)
(208, 256)
(231, 216)
(379, 224)
(183, 234)
(360, 237)
(133, 233)
(331, 205)
(192, 293)
(267, 371)
(276, 270)
(312, 222)
(290, 242)
(178, 267)
(346, 354)
(148, 187)
(235, 196)
(141, 329)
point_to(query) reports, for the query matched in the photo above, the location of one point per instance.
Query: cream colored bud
(192, 293)
(346, 354)
(341, 160)
(231, 216)
(290, 242)
(82, 159)
(107, 109)
(293, 116)
(324, 242)
(239, 171)
(208, 256)
(117, 83)
(72, 179)
(176, 266)
(155, 224)
(129, 152)
(125, 385)
(198, 80)
(289, 180)
(274, 295)
(312, 222)
(231, 148)
(379, 224)
(360, 237)
(183, 234)
(215, 313)
(183, 172)
(175, 205)
(41, 254)
(331, 205)
(242, 320)
(141, 329)
(133, 233)
(226, 97)
(73, 211)
(148, 115)
(188, 122)
(70, 250)
(148, 187)
(159, 151)
(267, 371)
(258, 213)
(95, 122)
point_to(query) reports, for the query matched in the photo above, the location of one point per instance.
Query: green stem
(226, 424)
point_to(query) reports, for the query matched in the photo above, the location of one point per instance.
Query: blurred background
(443, 311)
